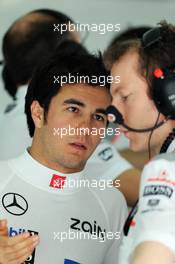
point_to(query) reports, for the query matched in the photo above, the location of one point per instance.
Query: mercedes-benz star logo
(14, 203)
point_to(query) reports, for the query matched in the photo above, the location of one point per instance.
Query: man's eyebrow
(74, 101)
(101, 110)
(77, 102)
(115, 89)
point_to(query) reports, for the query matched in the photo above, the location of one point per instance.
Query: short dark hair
(70, 58)
(130, 33)
(26, 43)
(160, 54)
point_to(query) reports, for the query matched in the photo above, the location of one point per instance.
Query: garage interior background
(123, 12)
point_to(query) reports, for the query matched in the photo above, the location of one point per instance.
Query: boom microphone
(115, 116)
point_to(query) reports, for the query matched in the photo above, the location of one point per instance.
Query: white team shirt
(120, 142)
(37, 199)
(155, 218)
(105, 162)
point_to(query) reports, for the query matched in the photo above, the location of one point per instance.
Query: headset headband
(151, 37)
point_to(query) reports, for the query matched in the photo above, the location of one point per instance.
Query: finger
(3, 224)
(4, 232)
(19, 252)
(3, 227)
(22, 255)
(10, 241)
(29, 242)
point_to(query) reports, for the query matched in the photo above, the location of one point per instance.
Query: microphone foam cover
(114, 115)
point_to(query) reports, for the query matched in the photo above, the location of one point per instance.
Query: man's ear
(37, 113)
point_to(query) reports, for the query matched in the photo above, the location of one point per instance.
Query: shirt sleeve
(156, 212)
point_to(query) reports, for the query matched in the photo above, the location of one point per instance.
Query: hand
(15, 250)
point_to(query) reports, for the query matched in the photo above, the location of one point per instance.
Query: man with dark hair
(132, 32)
(145, 109)
(44, 191)
(129, 33)
(27, 42)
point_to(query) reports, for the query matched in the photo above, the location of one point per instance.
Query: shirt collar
(42, 177)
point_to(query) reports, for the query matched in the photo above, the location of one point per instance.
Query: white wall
(125, 12)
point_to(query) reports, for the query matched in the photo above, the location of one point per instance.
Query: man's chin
(137, 147)
(77, 166)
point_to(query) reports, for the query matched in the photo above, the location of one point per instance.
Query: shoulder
(166, 156)
(157, 202)
(157, 189)
(163, 166)
(112, 202)
(6, 172)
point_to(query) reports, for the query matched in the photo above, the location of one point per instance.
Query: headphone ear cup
(163, 92)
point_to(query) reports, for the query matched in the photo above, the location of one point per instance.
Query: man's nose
(117, 105)
(85, 124)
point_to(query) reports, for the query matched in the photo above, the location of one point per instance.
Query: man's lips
(78, 145)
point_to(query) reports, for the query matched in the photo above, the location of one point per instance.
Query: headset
(163, 87)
